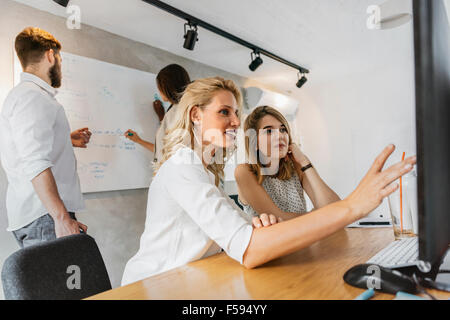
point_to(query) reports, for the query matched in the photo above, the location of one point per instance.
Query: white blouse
(188, 218)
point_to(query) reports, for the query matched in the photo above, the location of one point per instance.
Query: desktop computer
(432, 63)
(432, 79)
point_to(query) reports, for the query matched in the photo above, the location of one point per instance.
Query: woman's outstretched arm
(286, 237)
(133, 136)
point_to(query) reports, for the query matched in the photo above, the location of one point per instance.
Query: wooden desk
(312, 273)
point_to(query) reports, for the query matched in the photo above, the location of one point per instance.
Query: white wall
(346, 121)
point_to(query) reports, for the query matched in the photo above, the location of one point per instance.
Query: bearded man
(36, 147)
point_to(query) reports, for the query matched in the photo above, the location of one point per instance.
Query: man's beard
(55, 75)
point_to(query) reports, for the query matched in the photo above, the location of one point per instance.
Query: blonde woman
(189, 217)
(280, 192)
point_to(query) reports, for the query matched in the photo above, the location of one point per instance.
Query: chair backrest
(67, 268)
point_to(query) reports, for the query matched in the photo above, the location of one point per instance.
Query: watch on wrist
(306, 167)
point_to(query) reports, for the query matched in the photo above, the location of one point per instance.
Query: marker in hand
(131, 135)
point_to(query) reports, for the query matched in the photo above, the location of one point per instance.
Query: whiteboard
(108, 99)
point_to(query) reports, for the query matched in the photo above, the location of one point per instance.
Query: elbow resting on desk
(252, 256)
(257, 253)
(249, 261)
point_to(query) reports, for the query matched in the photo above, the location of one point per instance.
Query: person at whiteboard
(171, 82)
(280, 192)
(37, 147)
(189, 217)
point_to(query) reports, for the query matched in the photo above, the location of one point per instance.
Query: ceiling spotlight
(301, 81)
(190, 36)
(256, 61)
(63, 3)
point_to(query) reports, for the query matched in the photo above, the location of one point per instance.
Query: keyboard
(398, 254)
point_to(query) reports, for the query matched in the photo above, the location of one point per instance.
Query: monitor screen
(432, 73)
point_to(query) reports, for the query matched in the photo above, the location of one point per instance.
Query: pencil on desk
(366, 295)
(401, 198)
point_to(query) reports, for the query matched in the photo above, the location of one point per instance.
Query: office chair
(68, 268)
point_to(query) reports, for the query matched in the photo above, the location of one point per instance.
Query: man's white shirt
(35, 136)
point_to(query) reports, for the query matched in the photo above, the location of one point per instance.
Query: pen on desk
(366, 295)
(407, 296)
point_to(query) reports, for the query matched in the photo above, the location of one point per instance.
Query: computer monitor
(432, 76)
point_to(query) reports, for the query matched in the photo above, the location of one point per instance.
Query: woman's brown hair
(286, 167)
(171, 81)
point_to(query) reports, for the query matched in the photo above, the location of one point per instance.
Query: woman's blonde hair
(198, 93)
(286, 167)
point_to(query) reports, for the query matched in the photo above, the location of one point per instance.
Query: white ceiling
(329, 37)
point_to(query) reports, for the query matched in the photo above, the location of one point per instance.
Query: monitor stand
(439, 278)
